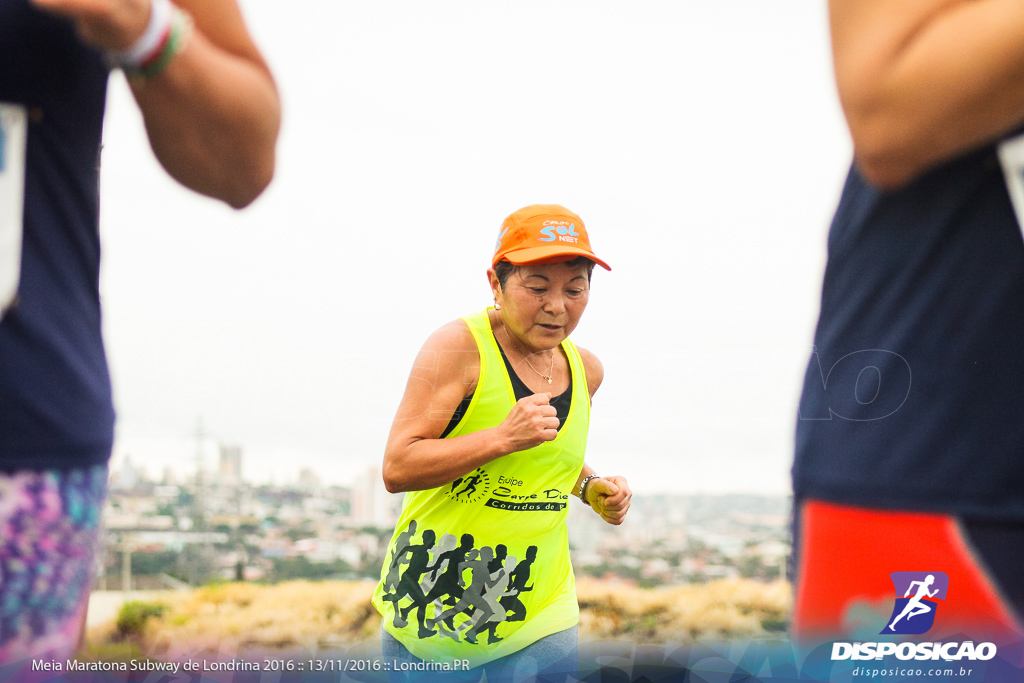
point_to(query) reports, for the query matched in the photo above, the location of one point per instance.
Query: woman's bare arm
(923, 81)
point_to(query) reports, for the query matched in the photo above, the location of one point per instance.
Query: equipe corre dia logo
(509, 495)
(913, 614)
(512, 495)
(563, 231)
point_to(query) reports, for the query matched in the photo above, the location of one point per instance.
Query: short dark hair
(503, 269)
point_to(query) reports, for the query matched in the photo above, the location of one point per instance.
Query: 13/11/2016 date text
(376, 665)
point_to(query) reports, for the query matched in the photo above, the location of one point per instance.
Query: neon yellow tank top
(479, 568)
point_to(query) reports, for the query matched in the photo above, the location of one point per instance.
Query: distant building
(372, 505)
(230, 470)
(586, 533)
(309, 480)
(169, 478)
(128, 477)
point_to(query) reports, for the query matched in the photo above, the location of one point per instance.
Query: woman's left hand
(609, 496)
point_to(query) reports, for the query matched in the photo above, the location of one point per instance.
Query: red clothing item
(846, 555)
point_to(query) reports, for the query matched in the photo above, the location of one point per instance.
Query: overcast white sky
(701, 142)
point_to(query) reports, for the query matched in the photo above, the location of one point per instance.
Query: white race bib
(13, 133)
(1011, 157)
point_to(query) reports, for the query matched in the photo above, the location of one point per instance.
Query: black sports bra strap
(561, 403)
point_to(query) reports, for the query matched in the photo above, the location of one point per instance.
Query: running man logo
(470, 488)
(916, 595)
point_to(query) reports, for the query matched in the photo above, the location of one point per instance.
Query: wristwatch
(583, 487)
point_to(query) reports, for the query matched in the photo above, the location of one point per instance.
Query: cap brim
(550, 254)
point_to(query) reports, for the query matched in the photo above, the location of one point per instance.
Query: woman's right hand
(531, 422)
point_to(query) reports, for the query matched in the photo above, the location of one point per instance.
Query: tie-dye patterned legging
(49, 522)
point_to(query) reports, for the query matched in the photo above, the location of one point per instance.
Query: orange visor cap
(543, 233)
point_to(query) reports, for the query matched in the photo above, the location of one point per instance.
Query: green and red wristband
(165, 36)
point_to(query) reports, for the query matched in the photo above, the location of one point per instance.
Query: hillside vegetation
(310, 616)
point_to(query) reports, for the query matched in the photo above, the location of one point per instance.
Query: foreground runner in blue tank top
(912, 400)
(56, 413)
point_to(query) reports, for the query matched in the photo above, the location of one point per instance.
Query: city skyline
(282, 466)
(168, 532)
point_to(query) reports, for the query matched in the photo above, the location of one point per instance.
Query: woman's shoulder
(450, 351)
(462, 334)
(452, 336)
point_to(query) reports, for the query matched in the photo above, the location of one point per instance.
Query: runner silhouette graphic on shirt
(472, 601)
(401, 543)
(449, 584)
(504, 564)
(499, 590)
(915, 606)
(443, 545)
(409, 585)
(518, 579)
(514, 608)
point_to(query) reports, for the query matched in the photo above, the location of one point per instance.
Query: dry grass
(239, 617)
(727, 609)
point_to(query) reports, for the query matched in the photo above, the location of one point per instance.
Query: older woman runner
(489, 442)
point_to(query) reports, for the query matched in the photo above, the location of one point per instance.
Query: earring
(497, 306)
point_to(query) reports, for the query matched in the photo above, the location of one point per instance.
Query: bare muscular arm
(923, 81)
(213, 114)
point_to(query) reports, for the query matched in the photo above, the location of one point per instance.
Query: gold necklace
(516, 347)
